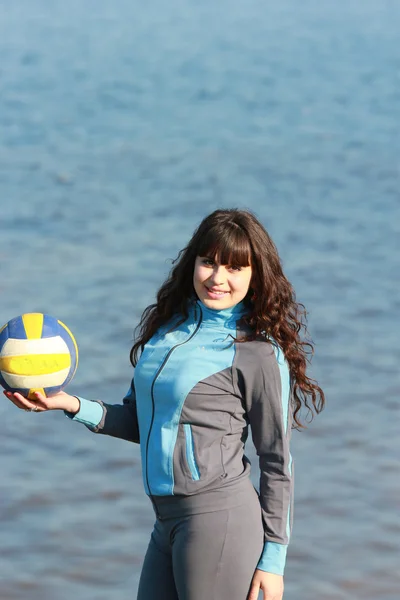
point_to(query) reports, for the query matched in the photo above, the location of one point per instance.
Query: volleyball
(38, 353)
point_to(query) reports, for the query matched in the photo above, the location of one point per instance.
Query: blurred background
(122, 124)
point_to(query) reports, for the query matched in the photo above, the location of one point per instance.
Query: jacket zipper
(153, 402)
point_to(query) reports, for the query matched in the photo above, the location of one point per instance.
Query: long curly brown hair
(236, 237)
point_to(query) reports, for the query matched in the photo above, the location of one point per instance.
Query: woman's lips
(215, 294)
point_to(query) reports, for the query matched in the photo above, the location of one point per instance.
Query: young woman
(219, 351)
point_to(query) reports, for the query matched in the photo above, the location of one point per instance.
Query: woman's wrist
(74, 405)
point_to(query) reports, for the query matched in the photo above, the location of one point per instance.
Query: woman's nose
(217, 276)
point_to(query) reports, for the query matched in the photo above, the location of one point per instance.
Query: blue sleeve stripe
(285, 384)
(285, 398)
(90, 413)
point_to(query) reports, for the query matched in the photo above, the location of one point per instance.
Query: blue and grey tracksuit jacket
(194, 394)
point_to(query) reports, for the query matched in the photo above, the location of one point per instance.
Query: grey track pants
(206, 556)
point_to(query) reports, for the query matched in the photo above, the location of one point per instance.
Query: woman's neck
(221, 316)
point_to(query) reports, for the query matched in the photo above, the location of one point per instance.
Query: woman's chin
(217, 303)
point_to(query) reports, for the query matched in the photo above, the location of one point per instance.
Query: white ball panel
(53, 345)
(36, 381)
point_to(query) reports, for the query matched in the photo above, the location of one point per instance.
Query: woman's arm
(117, 420)
(268, 405)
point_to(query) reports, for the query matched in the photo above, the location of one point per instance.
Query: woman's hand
(40, 403)
(270, 584)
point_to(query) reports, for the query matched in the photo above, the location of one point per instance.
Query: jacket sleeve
(269, 410)
(116, 420)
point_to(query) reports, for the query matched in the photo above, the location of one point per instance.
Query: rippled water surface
(121, 125)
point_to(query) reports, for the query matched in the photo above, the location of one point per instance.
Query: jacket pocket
(190, 457)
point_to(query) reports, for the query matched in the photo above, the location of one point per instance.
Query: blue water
(121, 125)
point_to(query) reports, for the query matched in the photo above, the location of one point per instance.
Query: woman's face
(220, 286)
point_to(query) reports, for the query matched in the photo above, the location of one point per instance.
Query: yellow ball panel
(31, 395)
(35, 364)
(33, 325)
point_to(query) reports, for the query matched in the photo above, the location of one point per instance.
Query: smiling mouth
(218, 292)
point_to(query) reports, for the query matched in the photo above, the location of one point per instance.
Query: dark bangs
(229, 245)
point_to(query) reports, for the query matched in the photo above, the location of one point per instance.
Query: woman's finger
(14, 400)
(42, 401)
(39, 400)
(254, 590)
(21, 402)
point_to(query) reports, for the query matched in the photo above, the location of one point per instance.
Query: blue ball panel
(4, 384)
(3, 337)
(50, 327)
(16, 329)
(50, 391)
(63, 333)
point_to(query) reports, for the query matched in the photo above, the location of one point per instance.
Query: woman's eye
(207, 261)
(235, 269)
